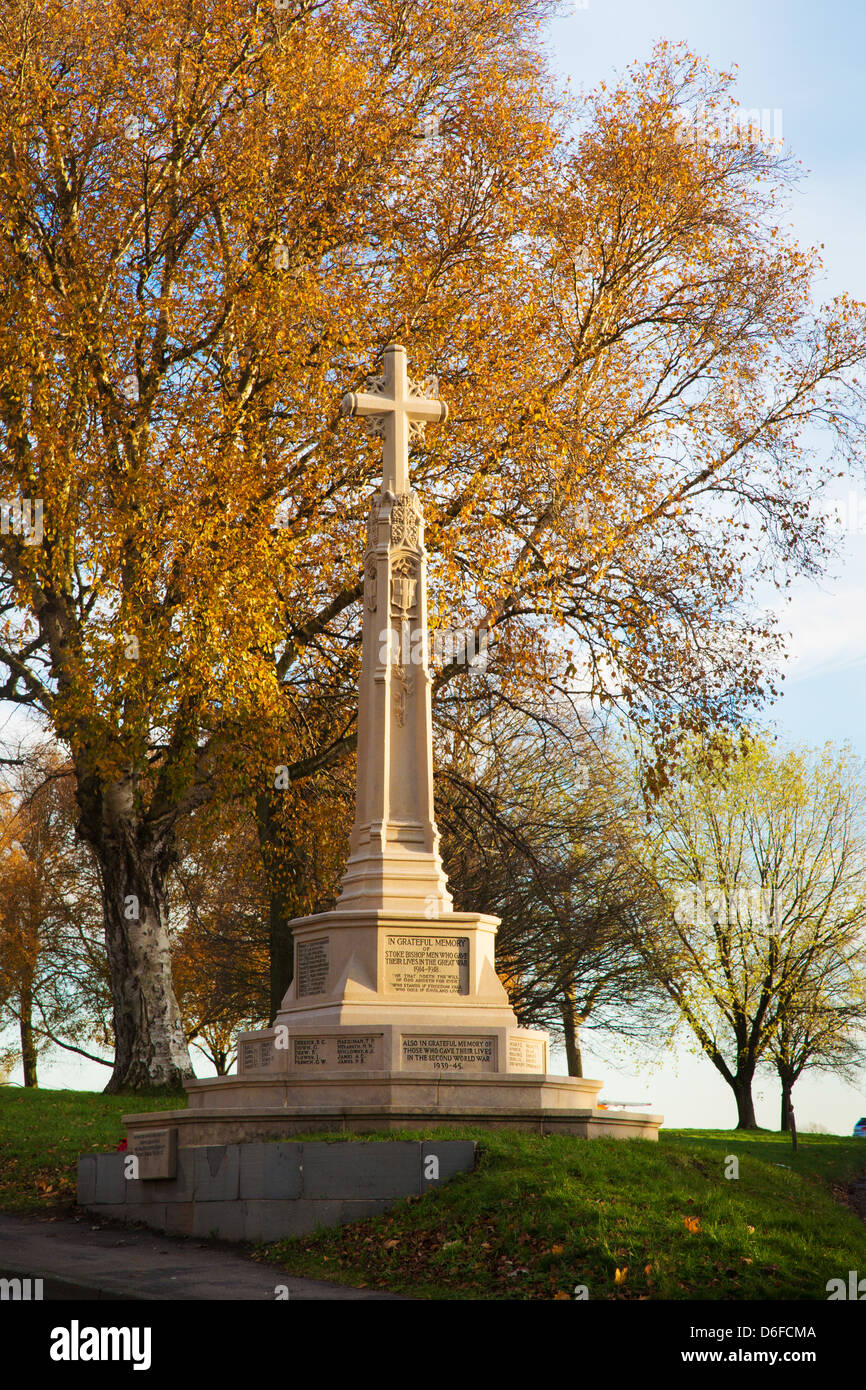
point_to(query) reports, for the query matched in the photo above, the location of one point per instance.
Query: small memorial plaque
(313, 966)
(363, 1051)
(156, 1151)
(524, 1054)
(427, 964)
(311, 1052)
(257, 1056)
(449, 1054)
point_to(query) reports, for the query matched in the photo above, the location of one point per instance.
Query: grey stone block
(86, 1186)
(313, 1214)
(454, 1155)
(216, 1173)
(179, 1218)
(270, 1171)
(269, 1219)
(111, 1185)
(226, 1220)
(361, 1170)
(169, 1190)
(149, 1213)
(367, 1207)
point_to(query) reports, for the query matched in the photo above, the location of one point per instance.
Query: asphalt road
(85, 1258)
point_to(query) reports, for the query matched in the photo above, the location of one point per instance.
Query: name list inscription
(257, 1056)
(524, 1054)
(364, 1050)
(313, 965)
(427, 964)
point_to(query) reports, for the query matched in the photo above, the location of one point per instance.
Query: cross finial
(397, 409)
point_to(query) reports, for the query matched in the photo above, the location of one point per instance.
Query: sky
(805, 61)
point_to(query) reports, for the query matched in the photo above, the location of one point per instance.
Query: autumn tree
(763, 857)
(303, 826)
(214, 214)
(53, 977)
(219, 900)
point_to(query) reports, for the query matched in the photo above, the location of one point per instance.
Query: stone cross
(396, 409)
(394, 863)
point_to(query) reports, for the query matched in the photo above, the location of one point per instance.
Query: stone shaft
(394, 861)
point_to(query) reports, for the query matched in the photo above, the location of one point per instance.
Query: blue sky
(808, 61)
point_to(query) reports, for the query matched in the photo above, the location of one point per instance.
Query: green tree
(763, 858)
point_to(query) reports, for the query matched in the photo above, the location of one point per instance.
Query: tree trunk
(742, 1088)
(787, 1105)
(151, 1051)
(570, 1022)
(281, 875)
(281, 941)
(28, 1045)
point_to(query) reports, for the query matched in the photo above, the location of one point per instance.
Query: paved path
(82, 1257)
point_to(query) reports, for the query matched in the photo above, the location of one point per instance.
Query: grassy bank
(625, 1219)
(43, 1132)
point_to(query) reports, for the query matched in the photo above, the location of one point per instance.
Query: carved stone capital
(406, 520)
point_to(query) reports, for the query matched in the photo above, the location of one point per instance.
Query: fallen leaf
(620, 1275)
(692, 1223)
(557, 1250)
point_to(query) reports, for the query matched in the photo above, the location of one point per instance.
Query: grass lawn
(43, 1132)
(539, 1216)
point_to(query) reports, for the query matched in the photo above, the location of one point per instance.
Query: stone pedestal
(394, 1021)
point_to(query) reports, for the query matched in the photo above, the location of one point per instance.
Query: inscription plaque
(427, 964)
(313, 965)
(311, 1052)
(524, 1054)
(156, 1151)
(449, 1054)
(257, 1056)
(334, 1050)
(356, 1052)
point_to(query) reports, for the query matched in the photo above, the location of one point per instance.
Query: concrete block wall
(269, 1191)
